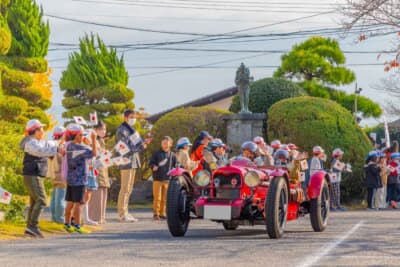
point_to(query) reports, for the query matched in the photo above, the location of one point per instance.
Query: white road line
(310, 261)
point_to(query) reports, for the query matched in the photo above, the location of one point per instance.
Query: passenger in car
(182, 155)
(215, 154)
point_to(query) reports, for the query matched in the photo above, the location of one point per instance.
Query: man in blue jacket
(127, 134)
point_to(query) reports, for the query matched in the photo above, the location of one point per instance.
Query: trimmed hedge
(15, 79)
(265, 92)
(11, 107)
(309, 121)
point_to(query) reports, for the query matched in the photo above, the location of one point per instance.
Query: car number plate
(217, 212)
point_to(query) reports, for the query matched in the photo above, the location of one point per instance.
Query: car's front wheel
(178, 211)
(276, 207)
(319, 209)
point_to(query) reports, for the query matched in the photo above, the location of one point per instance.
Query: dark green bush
(265, 92)
(310, 121)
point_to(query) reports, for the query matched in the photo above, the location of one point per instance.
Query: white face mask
(132, 121)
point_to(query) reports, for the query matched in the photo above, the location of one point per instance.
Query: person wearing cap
(126, 133)
(35, 165)
(337, 155)
(200, 144)
(161, 162)
(372, 176)
(57, 202)
(276, 145)
(316, 163)
(250, 150)
(264, 151)
(393, 180)
(182, 155)
(77, 179)
(98, 201)
(214, 155)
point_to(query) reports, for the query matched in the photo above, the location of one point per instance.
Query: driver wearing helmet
(250, 150)
(265, 151)
(214, 154)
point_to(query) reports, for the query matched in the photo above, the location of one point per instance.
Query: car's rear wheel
(230, 226)
(319, 209)
(276, 207)
(178, 211)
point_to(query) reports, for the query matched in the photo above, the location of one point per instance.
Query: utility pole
(357, 92)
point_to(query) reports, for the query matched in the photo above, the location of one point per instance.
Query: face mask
(132, 121)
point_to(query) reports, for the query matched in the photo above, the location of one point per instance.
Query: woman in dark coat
(373, 178)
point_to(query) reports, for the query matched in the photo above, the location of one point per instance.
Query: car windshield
(241, 161)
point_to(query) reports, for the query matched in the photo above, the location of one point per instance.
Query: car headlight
(252, 179)
(202, 178)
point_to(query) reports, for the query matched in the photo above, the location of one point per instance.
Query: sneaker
(393, 204)
(29, 232)
(341, 209)
(156, 218)
(68, 228)
(128, 218)
(92, 223)
(35, 231)
(81, 230)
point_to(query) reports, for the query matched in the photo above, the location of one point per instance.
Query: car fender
(315, 185)
(280, 173)
(182, 176)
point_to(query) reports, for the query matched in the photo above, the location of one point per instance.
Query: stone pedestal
(244, 127)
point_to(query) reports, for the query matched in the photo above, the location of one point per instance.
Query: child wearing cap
(373, 179)
(36, 152)
(77, 154)
(182, 155)
(57, 202)
(393, 180)
(337, 155)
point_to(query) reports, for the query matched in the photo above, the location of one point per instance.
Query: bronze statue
(242, 81)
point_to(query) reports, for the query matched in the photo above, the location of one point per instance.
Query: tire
(178, 212)
(230, 226)
(319, 209)
(276, 207)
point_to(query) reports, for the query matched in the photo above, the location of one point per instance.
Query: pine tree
(30, 34)
(96, 80)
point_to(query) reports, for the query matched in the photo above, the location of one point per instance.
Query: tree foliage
(265, 92)
(5, 36)
(310, 121)
(317, 59)
(30, 34)
(96, 80)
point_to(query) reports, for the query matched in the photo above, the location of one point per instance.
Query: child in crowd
(381, 193)
(77, 180)
(337, 170)
(57, 203)
(161, 162)
(373, 179)
(183, 146)
(98, 202)
(393, 180)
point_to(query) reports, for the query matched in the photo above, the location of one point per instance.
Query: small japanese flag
(80, 120)
(5, 197)
(339, 165)
(122, 148)
(106, 153)
(304, 165)
(96, 172)
(121, 161)
(106, 162)
(93, 118)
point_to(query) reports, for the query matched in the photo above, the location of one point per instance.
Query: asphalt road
(357, 238)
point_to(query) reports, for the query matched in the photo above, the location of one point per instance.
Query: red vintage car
(244, 194)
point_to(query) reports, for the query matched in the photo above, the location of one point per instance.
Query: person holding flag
(128, 144)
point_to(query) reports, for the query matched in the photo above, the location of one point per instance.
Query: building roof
(204, 101)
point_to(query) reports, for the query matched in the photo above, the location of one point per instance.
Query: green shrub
(265, 92)
(310, 121)
(37, 113)
(13, 80)
(12, 107)
(14, 212)
(5, 36)
(30, 64)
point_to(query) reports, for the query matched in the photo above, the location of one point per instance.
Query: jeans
(391, 192)
(37, 194)
(57, 205)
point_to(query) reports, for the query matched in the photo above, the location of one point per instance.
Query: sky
(163, 78)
